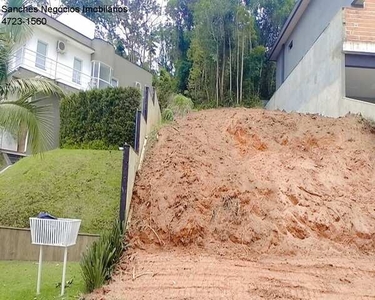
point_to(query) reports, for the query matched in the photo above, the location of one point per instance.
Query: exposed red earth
(253, 204)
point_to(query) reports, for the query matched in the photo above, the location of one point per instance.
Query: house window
(114, 82)
(358, 3)
(104, 76)
(41, 55)
(77, 70)
(101, 75)
(290, 45)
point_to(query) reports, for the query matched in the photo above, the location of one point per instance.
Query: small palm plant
(19, 107)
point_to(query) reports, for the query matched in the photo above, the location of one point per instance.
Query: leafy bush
(167, 115)
(180, 105)
(206, 105)
(99, 260)
(99, 119)
(253, 102)
(165, 85)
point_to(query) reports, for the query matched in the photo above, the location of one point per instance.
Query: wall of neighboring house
(124, 71)
(317, 83)
(313, 22)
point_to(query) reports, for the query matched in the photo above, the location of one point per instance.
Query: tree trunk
(206, 85)
(242, 61)
(250, 50)
(223, 72)
(217, 74)
(230, 68)
(150, 60)
(260, 78)
(238, 66)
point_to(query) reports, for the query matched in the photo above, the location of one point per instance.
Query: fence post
(124, 185)
(138, 115)
(145, 103)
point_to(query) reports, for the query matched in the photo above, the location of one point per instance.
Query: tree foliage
(134, 34)
(217, 50)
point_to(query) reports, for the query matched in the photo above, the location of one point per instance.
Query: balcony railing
(47, 67)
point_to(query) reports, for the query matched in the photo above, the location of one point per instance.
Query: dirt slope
(252, 181)
(252, 204)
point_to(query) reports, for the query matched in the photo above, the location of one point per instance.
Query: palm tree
(19, 107)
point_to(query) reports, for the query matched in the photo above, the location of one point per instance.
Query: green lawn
(18, 281)
(81, 184)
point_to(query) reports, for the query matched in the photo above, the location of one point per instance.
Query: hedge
(99, 119)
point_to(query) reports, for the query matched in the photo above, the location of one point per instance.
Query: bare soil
(250, 204)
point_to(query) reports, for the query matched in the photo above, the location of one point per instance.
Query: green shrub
(165, 85)
(253, 102)
(180, 105)
(99, 119)
(206, 105)
(99, 260)
(167, 115)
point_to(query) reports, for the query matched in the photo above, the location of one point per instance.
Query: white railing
(47, 67)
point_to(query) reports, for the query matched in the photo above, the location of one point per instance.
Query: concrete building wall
(313, 22)
(124, 71)
(317, 83)
(280, 69)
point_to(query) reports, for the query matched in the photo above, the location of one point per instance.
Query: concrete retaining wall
(15, 244)
(366, 109)
(316, 85)
(135, 158)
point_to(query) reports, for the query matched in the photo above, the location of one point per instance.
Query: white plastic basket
(59, 232)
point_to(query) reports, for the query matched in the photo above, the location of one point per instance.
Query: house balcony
(38, 64)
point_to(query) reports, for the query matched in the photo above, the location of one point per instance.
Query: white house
(65, 50)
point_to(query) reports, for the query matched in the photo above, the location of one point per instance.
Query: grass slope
(18, 280)
(81, 184)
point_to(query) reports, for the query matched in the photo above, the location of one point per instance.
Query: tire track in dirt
(175, 275)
